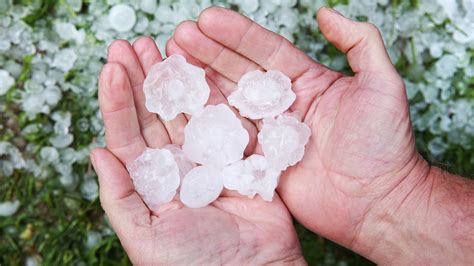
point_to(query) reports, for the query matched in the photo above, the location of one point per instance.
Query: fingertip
(147, 52)
(142, 44)
(329, 23)
(113, 77)
(114, 87)
(117, 47)
(185, 32)
(208, 16)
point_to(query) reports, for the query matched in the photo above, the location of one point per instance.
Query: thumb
(118, 198)
(361, 42)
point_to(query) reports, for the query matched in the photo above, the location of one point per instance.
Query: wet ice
(184, 163)
(215, 137)
(263, 94)
(283, 140)
(155, 175)
(212, 156)
(201, 186)
(252, 176)
(173, 86)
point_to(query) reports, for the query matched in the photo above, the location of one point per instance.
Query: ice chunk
(201, 186)
(283, 140)
(184, 163)
(155, 175)
(122, 17)
(6, 81)
(252, 176)
(174, 86)
(261, 94)
(215, 137)
(8, 208)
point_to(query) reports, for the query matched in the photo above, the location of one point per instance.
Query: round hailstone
(122, 17)
(215, 137)
(184, 163)
(201, 186)
(263, 94)
(6, 81)
(252, 176)
(173, 86)
(155, 175)
(8, 208)
(283, 140)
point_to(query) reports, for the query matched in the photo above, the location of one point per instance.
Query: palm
(362, 145)
(228, 231)
(362, 136)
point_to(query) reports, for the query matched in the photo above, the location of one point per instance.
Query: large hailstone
(122, 17)
(155, 176)
(262, 94)
(201, 186)
(173, 86)
(283, 140)
(215, 137)
(252, 176)
(184, 163)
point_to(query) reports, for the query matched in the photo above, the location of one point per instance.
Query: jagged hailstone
(251, 176)
(155, 175)
(173, 86)
(184, 163)
(283, 140)
(201, 186)
(122, 17)
(215, 137)
(262, 94)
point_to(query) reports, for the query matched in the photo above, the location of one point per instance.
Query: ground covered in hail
(51, 53)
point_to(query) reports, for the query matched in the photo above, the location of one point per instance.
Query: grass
(55, 222)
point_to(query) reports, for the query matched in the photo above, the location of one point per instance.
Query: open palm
(232, 230)
(362, 148)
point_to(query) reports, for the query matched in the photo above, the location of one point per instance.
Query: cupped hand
(232, 230)
(362, 147)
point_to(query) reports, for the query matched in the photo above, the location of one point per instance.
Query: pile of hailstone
(212, 156)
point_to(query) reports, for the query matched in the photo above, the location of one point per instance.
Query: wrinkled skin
(361, 150)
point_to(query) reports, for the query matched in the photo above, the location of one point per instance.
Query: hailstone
(215, 137)
(155, 175)
(122, 17)
(283, 140)
(262, 94)
(251, 176)
(201, 186)
(173, 86)
(184, 163)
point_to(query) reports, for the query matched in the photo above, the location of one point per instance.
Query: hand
(362, 148)
(232, 230)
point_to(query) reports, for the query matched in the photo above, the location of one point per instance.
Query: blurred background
(52, 51)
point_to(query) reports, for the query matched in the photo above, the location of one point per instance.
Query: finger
(216, 95)
(153, 131)
(122, 131)
(148, 55)
(118, 198)
(361, 42)
(268, 49)
(225, 61)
